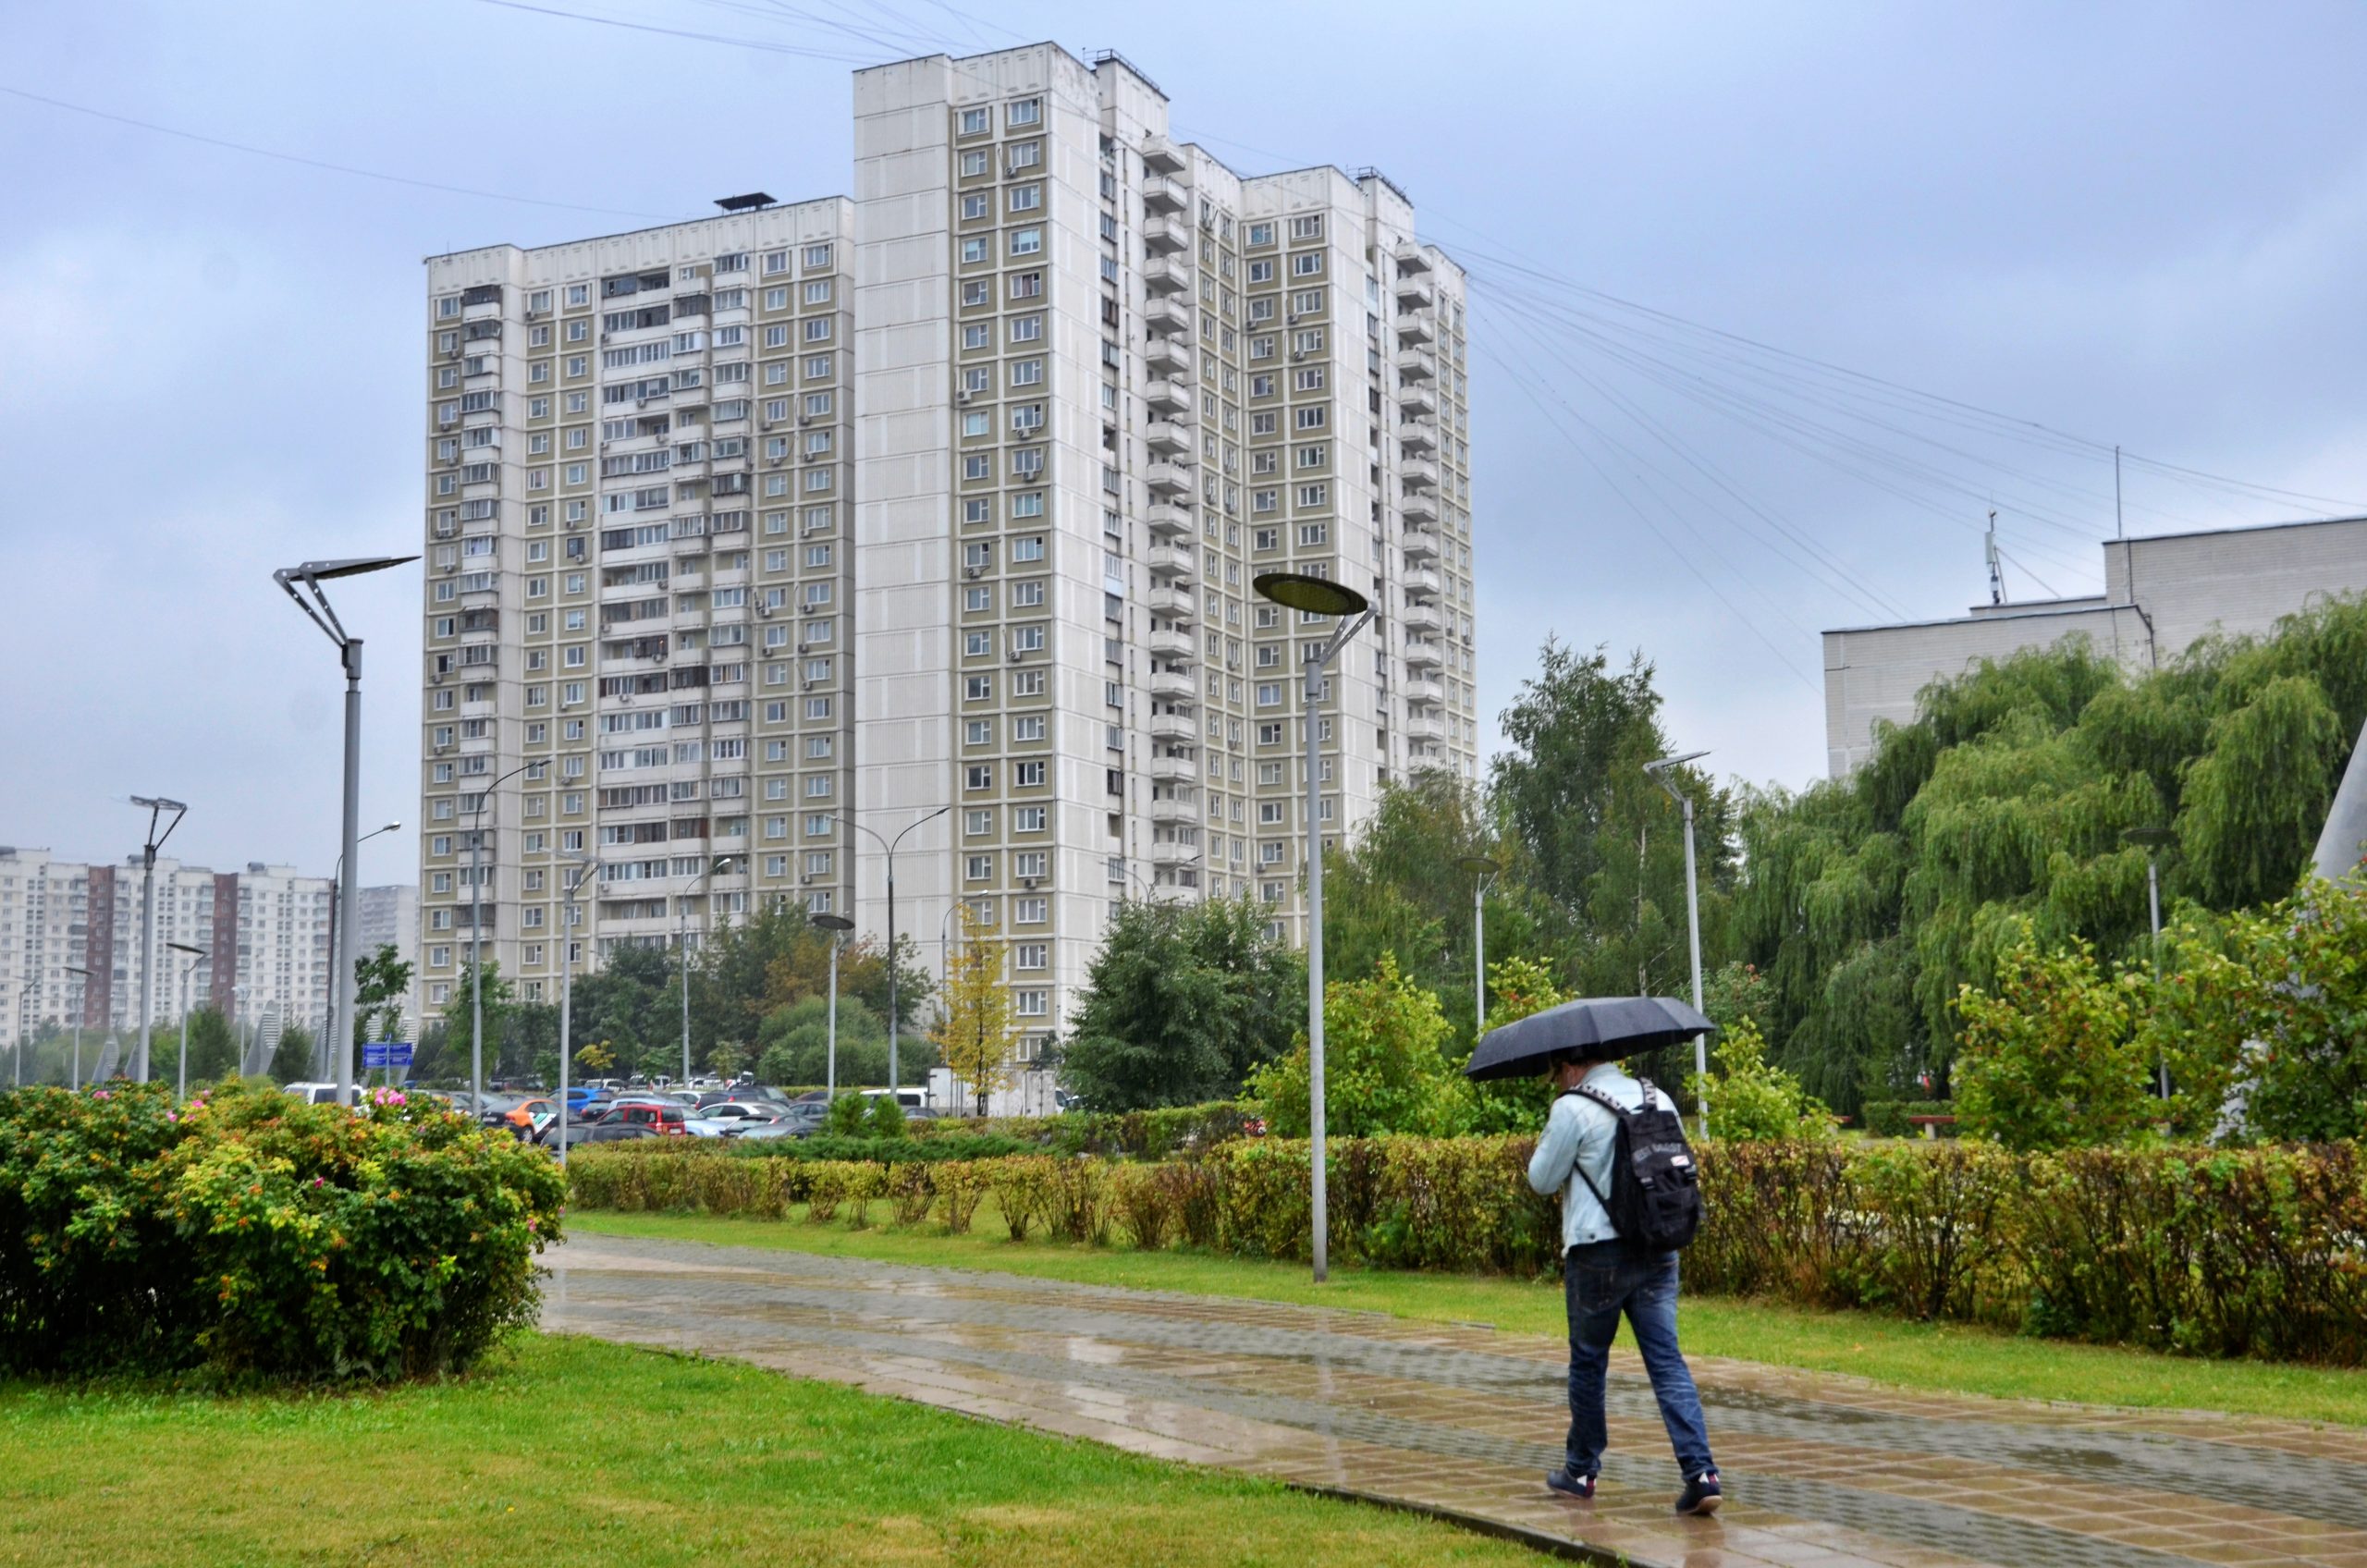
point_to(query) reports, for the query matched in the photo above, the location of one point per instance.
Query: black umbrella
(1598, 1027)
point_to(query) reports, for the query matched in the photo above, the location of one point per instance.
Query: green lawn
(569, 1451)
(1949, 1356)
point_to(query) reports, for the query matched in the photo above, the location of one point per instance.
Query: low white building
(2160, 595)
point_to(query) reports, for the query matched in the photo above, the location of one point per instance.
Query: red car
(663, 1119)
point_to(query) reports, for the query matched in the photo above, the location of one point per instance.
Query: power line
(766, 45)
(321, 163)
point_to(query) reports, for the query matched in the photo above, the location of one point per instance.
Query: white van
(317, 1094)
(910, 1099)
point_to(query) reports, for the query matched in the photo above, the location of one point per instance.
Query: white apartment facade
(58, 915)
(1092, 383)
(638, 582)
(388, 916)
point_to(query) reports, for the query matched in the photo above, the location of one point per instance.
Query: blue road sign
(386, 1053)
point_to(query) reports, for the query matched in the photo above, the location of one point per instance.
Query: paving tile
(1822, 1471)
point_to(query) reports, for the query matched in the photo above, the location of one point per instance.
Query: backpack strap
(1618, 1111)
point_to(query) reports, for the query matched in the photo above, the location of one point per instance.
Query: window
(1033, 955)
(1025, 198)
(979, 868)
(978, 775)
(976, 122)
(1027, 819)
(973, 162)
(1309, 228)
(1306, 263)
(973, 249)
(1027, 774)
(1024, 112)
(1027, 242)
(979, 823)
(1031, 910)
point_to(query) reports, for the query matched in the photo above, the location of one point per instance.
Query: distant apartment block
(265, 930)
(744, 529)
(2161, 594)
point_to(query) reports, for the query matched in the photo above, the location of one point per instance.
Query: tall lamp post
(81, 1000)
(337, 937)
(197, 956)
(2152, 839)
(1660, 771)
(889, 847)
(585, 865)
(682, 946)
(311, 574)
(838, 925)
(1316, 595)
(156, 809)
(476, 939)
(1483, 871)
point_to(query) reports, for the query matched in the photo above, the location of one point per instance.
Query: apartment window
(979, 868)
(1308, 228)
(1033, 955)
(1027, 242)
(1027, 775)
(973, 251)
(1306, 263)
(976, 122)
(979, 823)
(978, 775)
(973, 162)
(1024, 112)
(1031, 910)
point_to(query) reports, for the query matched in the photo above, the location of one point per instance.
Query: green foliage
(1516, 987)
(1870, 902)
(1750, 1100)
(2052, 1059)
(381, 986)
(1888, 1119)
(885, 1118)
(1181, 1004)
(291, 1058)
(212, 1047)
(848, 1117)
(255, 1236)
(1384, 1068)
(795, 1042)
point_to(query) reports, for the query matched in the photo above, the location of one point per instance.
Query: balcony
(1419, 509)
(1168, 356)
(1418, 402)
(1426, 689)
(1174, 727)
(1174, 604)
(1173, 809)
(1166, 236)
(1164, 196)
(1167, 523)
(1167, 274)
(1168, 318)
(1175, 563)
(1415, 291)
(1426, 730)
(1418, 473)
(1419, 435)
(1423, 580)
(1167, 396)
(1173, 770)
(1167, 438)
(1170, 642)
(1421, 654)
(1421, 545)
(1168, 852)
(1410, 256)
(1424, 619)
(1415, 364)
(1174, 684)
(1160, 155)
(1169, 479)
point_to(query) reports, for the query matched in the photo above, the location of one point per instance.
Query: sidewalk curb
(1564, 1547)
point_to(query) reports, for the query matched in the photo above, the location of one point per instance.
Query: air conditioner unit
(804, 420)
(1014, 656)
(962, 396)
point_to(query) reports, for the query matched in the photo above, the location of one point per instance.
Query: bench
(1931, 1125)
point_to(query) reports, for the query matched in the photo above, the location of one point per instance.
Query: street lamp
(155, 808)
(476, 936)
(1483, 871)
(311, 574)
(888, 846)
(585, 866)
(838, 925)
(1660, 771)
(81, 1000)
(197, 955)
(2152, 839)
(1320, 596)
(336, 882)
(682, 944)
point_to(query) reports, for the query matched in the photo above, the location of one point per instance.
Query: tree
(1516, 987)
(291, 1059)
(1753, 1101)
(459, 1017)
(381, 986)
(212, 1047)
(974, 1035)
(793, 1044)
(1181, 1003)
(1384, 1067)
(2051, 1059)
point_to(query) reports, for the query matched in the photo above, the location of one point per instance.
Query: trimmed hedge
(1134, 1134)
(2229, 1252)
(251, 1234)
(877, 1151)
(1887, 1119)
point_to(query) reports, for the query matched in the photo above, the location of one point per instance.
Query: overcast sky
(2136, 224)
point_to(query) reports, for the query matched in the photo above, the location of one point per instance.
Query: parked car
(668, 1120)
(317, 1094)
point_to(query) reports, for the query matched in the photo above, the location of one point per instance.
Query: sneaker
(1702, 1495)
(1571, 1485)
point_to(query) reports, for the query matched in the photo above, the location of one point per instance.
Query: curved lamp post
(889, 847)
(682, 948)
(476, 937)
(1483, 871)
(838, 925)
(337, 881)
(196, 957)
(2152, 839)
(1316, 595)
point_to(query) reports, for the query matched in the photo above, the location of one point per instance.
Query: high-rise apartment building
(639, 573)
(60, 914)
(1099, 382)
(388, 916)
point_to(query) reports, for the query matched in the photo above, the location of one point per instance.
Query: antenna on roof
(748, 203)
(1997, 572)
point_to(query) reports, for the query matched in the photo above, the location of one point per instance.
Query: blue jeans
(1602, 1280)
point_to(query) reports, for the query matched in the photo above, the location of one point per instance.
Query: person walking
(1601, 1117)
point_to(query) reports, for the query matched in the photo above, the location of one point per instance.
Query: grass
(570, 1450)
(1953, 1357)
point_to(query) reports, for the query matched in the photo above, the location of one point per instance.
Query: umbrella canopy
(1600, 1028)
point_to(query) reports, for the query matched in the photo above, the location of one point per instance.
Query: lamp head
(837, 923)
(185, 947)
(1309, 596)
(2151, 838)
(353, 566)
(1480, 864)
(1665, 764)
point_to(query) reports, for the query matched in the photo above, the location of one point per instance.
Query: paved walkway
(1820, 1472)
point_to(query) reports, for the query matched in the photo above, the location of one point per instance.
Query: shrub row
(256, 1236)
(879, 1151)
(1887, 1119)
(1133, 1134)
(2231, 1253)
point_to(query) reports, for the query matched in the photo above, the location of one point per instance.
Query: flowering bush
(256, 1235)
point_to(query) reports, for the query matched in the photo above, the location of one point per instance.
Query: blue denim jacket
(1581, 1135)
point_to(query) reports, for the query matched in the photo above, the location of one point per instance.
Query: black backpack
(1655, 1198)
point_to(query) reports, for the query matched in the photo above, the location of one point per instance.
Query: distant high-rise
(1004, 440)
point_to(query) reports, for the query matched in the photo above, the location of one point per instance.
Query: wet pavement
(1820, 1471)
